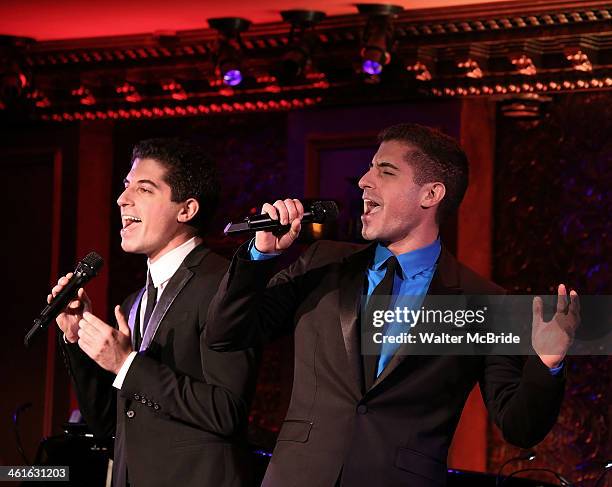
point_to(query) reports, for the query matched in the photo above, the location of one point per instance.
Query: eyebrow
(140, 181)
(387, 164)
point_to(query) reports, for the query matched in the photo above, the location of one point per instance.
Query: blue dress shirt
(418, 267)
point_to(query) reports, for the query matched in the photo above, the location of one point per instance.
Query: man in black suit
(386, 419)
(177, 409)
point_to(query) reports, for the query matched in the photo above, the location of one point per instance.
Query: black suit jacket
(398, 431)
(180, 417)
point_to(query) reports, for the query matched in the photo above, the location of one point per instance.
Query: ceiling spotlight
(14, 76)
(377, 36)
(229, 62)
(301, 43)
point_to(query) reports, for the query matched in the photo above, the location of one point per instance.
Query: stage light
(15, 79)
(301, 43)
(377, 36)
(229, 62)
(232, 77)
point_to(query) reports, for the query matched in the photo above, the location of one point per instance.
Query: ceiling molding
(476, 50)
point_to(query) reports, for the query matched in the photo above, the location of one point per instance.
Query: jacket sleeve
(522, 397)
(218, 404)
(93, 386)
(252, 306)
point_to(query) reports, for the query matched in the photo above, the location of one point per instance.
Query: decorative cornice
(470, 50)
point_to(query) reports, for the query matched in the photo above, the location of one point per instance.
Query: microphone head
(91, 264)
(323, 211)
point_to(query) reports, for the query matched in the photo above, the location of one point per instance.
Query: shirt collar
(164, 268)
(413, 262)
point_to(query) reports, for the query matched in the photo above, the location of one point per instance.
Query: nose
(124, 199)
(365, 181)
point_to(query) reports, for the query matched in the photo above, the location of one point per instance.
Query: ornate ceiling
(525, 49)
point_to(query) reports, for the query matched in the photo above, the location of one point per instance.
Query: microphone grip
(264, 222)
(60, 301)
(55, 307)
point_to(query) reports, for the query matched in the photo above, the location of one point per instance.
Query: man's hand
(288, 212)
(551, 340)
(68, 320)
(105, 345)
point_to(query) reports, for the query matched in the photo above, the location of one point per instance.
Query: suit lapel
(133, 316)
(444, 281)
(352, 278)
(173, 288)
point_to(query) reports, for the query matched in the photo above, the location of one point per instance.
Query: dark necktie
(380, 299)
(151, 301)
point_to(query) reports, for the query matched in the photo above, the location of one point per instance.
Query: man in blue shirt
(384, 419)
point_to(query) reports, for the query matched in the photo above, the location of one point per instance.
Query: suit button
(130, 414)
(149, 404)
(143, 400)
(156, 406)
(137, 397)
(362, 409)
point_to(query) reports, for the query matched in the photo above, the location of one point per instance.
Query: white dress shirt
(161, 271)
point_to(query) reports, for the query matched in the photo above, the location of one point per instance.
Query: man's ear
(189, 209)
(433, 195)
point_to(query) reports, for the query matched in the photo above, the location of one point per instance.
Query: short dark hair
(437, 157)
(190, 173)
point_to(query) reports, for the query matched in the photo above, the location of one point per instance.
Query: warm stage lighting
(579, 59)
(471, 67)
(166, 111)
(524, 64)
(175, 89)
(420, 70)
(84, 95)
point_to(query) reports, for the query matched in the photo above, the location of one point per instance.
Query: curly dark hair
(435, 157)
(190, 173)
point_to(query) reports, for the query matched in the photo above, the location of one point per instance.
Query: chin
(129, 247)
(367, 234)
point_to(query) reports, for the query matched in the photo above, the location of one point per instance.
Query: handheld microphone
(85, 270)
(317, 212)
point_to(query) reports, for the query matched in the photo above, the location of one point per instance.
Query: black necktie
(151, 301)
(380, 299)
